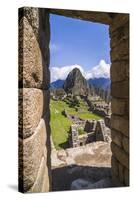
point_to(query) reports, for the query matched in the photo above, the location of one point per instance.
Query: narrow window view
(73, 99)
(80, 104)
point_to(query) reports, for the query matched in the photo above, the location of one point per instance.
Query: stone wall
(119, 33)
(34, 130)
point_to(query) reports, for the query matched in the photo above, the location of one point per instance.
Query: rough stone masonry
(34, 130)
(34, 80)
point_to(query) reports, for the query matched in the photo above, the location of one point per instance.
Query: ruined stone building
(94, 131)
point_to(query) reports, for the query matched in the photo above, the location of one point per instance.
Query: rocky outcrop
(76, 84)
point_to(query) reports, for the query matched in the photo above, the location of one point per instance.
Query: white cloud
(101, 70)
(62, 72)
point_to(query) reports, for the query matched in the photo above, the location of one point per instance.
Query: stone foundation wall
(119, 33)
(34, 130)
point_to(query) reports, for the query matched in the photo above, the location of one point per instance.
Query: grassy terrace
(60, 125)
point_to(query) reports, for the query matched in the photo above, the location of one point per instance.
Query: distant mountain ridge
(103, 83)
(57, 84)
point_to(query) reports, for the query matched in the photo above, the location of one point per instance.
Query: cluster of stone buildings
(92, 131)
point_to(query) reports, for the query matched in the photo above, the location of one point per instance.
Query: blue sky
(78, 43)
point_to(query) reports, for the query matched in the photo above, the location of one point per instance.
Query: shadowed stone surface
(120, 154)
(120, 124)
(100, 17)
(126, 176)
(116, 137)
(119, 20)
(119, 71)
(118, 107)
(114, 164)
(125, 143)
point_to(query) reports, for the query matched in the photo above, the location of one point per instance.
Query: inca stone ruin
(34, 116)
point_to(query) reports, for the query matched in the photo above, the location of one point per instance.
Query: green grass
(60, 125)
(81, 131)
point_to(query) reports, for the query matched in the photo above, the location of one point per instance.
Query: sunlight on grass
(60, 125)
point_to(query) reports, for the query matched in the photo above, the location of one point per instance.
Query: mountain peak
(75, 83)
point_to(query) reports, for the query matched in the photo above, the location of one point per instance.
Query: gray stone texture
(125, 143)
(116, 137)
(126, 177)
(119, 71)
(120, 89)
(101, 17)
(120, 124)
(119, 106)
(121, 173)
(119, 33)
(115, 164)
(120, 155)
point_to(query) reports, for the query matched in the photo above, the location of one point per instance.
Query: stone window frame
(34, 87)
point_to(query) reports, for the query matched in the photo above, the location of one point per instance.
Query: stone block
(120, 89)
(116, 181)
(30, 110)
(32, 15)
(121, 173)
(118, 106)
(42, 181)
(119, 71)
(34, 55)
(127, 108)
(31, 151)
(126, 177)
(120, 52)
(116, 137)
(120, 124)
(98, 17)
(118, 21)
(30, 58)
(119, 35)
(120, 155)
(125, 143)
(115, 166)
